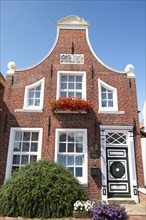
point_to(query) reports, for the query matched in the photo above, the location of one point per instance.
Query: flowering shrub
(83, 205)
(102, 211)
(71, 104)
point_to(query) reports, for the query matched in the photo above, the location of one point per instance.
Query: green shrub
(43, 189)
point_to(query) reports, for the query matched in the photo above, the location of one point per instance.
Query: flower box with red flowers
(70, 105)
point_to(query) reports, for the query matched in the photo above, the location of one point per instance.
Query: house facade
(101, 147)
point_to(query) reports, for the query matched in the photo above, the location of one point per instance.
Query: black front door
(117, 172)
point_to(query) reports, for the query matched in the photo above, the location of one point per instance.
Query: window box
(70, 112)
(70, 105)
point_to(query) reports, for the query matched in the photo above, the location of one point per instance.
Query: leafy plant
(102, 211)
(43, 189)
(71, 104)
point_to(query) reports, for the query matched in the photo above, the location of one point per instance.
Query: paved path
(135, 209)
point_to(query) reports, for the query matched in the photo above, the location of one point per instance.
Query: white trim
(83, 179)
(10, 147)
(115, 127)
(26, 107)
(28, 110)
(83, 73)
(112, 112)
(115, 98)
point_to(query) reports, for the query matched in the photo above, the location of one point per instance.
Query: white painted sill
(111, 112)
(142, 190)
(28, 110)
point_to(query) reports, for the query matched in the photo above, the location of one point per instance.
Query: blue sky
(117, 32)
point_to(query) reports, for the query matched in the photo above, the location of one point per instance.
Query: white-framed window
(71, 84)
(71, 151)
(34, 96)
(24, 148)
(107, 97)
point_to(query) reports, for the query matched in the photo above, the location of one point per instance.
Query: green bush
(43, 189)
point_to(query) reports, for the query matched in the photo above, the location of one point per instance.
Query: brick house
(2, 87)
(101, 148)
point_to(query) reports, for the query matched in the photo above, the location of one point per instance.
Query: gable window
(71, 84)
(24, 148)
(34, 96)
(107, 97)
(71, 151)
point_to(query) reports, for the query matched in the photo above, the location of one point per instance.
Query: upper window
(107, 97)
(71, 84)
(24, 148)
(71, 151)
(34, 95)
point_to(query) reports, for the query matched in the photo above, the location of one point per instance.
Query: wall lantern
(95, 171)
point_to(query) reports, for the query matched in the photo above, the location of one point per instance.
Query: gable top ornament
(72, 22)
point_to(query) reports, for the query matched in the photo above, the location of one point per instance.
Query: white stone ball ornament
(129, 68)
(11, 65)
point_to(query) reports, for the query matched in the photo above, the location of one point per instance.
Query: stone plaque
(71, 58)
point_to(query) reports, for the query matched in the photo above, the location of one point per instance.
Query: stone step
(121, 201)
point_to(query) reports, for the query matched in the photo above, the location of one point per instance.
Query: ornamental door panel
(117, 172)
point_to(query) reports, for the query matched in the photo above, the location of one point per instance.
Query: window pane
(71, 169)
(15, 169)
(62, 147)
(78, 94)
(104, 103)
(78, 86)
(63, 94)
(78, 161)
(71, 78)
(35, 136)
(103, 89)
(63, 85)
(110, 103)
(24, 159)
(33, 158)
(18, 136)
(62, 137)
(17, 146)
(78, 171)
(71, 94)
(25, 147)
(79, 137)
(37, 94)
(63, 78)
(31, 93)
(62, 160)
(70, 147)
(70, 160)
(71, 137)
(78, 78)
(71, 86)
(30, 102)
(16, 159)
(26, 136)
(34, 147)
(79, 148)
(110, 95)
(37, 102)
(103, 95)
(38, 88)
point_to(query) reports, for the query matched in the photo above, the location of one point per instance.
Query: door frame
(128, 130)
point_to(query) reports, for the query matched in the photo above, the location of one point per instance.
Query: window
(107, 97)
(24, 148)
(71, 151)
(34, 96)
(71, 84)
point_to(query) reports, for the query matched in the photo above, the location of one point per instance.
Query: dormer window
(107, 97)
(34, 96)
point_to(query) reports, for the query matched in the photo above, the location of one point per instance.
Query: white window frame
(113, 109)
(74, 73)
(27, 88)
(83, 180)
(11, 143)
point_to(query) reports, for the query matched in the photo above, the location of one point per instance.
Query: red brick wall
(127, 101)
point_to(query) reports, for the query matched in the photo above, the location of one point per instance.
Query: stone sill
(142, 190)
(111, 112)
(70, 112)
(28, 110)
